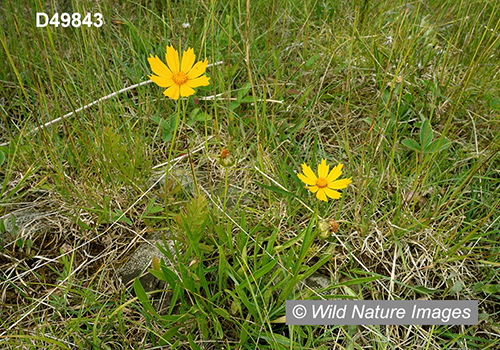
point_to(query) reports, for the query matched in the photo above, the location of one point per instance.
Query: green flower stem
(225, 188)
(177, 119)
(316, 213)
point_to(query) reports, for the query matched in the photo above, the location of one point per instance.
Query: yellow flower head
(179, 77)
(325, 184)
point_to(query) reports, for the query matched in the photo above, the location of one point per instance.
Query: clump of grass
(404, 95)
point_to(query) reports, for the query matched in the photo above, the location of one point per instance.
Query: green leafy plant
(427, 144)
(167, 126)
(2, 158)
(125, 160)
(197, 115)
(192, 222)
(4, 231)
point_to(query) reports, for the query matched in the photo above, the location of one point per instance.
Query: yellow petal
(172, 92)
(161, 81)
(306, 180)
(335, 173)
(323, 169)
(340, 184)
(321, 195)
(313, 189)
(332, 194)
(158, 67)
(198, 69)
(172, 57)
(309, 173)
(186, 90)
(201, 81)
(187, 60)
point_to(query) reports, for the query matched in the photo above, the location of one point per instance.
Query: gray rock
(318, 281)
(140, 261)
(25, 219)
(23, 224)
(137, 265)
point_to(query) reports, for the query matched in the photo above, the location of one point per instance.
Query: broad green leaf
(261, 272)
(244, 91)
(151, 208)
(165, 251)
(426, 134)
(486, 288)
(158, 275)
(247, 99)
(169, 275)
(192, 343)
(143, 298)
(119, 216)
(276, 339)
(248, 302)
(223, 313)
(411, 144)
(234, 105)
(310, 62)
(425, 290)
(385, 96)
(3, 229)
(438, 145)
(358, 281)
(170, 333)
(457, 287)
(194, 113)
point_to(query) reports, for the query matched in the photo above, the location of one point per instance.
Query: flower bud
(334, 226)
(326, 227)
(226, 159)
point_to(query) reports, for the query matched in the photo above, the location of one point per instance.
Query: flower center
(321, 183)
(180, 78)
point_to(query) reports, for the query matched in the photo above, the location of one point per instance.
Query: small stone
(141, 260)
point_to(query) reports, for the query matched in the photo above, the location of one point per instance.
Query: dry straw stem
(116, 93)
(60, 284)
(219, 97)
(56, 259)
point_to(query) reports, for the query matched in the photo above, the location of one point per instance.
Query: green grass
(404, 94)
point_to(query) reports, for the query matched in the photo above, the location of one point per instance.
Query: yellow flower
(179, 77)
(325, 184)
